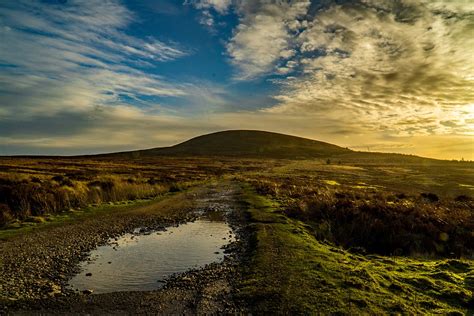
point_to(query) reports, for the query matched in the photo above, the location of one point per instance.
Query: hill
(244, 143)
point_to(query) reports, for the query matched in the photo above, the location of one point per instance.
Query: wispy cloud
(72, 80)
(75, 57)
(395, 75)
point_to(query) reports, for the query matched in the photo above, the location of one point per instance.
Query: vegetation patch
(292, 272)
(38, 187)
(375, 220)
(18, 227)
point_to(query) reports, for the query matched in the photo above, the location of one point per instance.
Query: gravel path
(35, 266)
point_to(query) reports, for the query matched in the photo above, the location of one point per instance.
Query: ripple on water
(139, 262)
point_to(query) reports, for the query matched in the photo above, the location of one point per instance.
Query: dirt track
(35, 266)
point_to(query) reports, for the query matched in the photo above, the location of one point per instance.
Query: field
(331, 235)
(362, 238)
(34, 189)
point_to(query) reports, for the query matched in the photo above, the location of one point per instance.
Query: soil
(35, 266)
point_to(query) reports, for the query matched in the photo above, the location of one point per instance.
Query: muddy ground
(36, 266)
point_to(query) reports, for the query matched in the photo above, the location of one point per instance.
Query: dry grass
(35, 187)
(33, 196)
(375, 219)
(384, 208)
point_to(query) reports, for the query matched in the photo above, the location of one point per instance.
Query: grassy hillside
(244, 143)
(267, 145)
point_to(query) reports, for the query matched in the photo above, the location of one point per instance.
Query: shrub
(388, 228)
(379, 221)
(463, 198)
(153, 181)
(36, 180)
(5, 214)
(58, 178)
(105, 185)
(175, 188)
(430, 197)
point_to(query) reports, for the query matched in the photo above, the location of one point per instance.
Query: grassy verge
(41, 222)
(292, 272)
(50, 220)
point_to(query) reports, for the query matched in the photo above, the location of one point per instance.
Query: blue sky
(89, 76)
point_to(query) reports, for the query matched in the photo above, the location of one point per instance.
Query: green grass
(292, 272)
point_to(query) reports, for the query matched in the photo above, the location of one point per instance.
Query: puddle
(140, 262)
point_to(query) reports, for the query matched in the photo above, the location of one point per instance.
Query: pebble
(40, 259)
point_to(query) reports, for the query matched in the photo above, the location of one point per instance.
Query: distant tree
(328, 161)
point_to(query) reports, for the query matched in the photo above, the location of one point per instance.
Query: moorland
(327, 230)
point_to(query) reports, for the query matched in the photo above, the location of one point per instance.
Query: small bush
(5, 214)
(153, 181)
(463, 198)
(105, 185)
(430, 197)
(401, 196)
(36, 180)
(58, 178)
(175, 188)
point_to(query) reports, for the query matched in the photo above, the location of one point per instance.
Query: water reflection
(139, 262)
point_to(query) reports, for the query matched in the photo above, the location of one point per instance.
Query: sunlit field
(236, 157)
(33, 189)
(331, 234)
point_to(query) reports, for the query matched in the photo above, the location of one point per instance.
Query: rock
(87, 292)
(88, 274)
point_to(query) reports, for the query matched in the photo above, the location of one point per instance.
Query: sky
(94, 76)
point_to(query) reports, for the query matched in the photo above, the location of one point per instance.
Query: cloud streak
(392, 75)
(76, 57)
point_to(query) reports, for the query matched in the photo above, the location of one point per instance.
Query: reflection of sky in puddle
(136, 263)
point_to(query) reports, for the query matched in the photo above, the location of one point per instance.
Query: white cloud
(221, 6)
(75, 57)
(208, 9)
(263, 36)
(391, 74)
(399, 68)
(73, 81)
